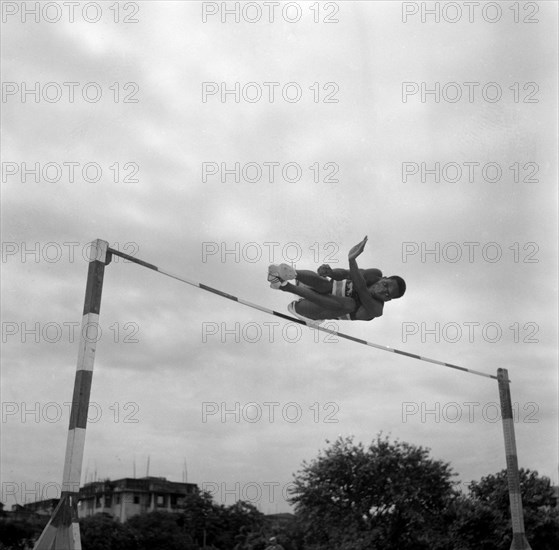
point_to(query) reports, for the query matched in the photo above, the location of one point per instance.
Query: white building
(124, 498)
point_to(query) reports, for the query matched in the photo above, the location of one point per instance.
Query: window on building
(160, 500)
(136, 499)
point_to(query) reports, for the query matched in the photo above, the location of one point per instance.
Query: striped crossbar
(292, 319)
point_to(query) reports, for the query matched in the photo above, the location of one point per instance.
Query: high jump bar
(292, 319)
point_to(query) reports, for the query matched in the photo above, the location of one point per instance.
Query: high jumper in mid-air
(354, 294)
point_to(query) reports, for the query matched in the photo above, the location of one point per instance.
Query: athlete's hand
(325, 270)
(357, 249)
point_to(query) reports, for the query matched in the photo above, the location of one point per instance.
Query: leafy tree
(103, 532)
(198, 518)
(473, 525)
(221, 526)
(388, 495)
(160, 531)
(242, 522)
(15, 534)
(485, 518)
(288, 531)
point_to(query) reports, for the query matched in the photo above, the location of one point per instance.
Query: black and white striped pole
(519, 541)
(63, 531)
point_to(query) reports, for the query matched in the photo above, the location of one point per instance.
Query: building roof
(139, 485)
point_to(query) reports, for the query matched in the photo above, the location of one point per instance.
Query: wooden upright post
(62, 532)
(519, 541)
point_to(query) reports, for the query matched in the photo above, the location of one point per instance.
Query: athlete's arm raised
(373, 307)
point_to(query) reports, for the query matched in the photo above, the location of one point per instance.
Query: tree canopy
(394, 496)
(388, 494)
(482, 520)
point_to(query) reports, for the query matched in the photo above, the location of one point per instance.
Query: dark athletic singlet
(350, 292)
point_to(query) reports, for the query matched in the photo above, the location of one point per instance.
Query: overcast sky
(438, 140)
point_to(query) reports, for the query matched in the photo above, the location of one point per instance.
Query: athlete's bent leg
(337, 304)
(308, 309)
(315, 281)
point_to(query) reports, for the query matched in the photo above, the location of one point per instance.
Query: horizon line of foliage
(386, 495)
(394, 496)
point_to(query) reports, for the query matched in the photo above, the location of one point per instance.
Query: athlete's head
(400, 286)
(388, 288)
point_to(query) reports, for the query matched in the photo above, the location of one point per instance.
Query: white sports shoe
(284, 271)
(275, 282)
